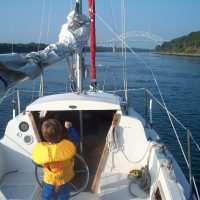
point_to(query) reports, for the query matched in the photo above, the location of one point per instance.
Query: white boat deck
(22, 185)
(116, 186)
(19, 185)
(86, 196)
(136, 147)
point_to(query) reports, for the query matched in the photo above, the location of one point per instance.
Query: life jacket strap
(47, 165)
(58, 164)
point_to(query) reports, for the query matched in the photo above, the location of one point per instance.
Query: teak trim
(100, 168)
(30, 115)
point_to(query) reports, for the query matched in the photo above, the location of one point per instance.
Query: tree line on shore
(189, 44)
(34, 47)
(20, 48)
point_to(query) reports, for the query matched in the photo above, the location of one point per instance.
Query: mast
(91, 8)
(80, 79)
(79, 55)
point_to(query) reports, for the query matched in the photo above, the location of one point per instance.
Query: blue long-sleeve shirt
(73, 136)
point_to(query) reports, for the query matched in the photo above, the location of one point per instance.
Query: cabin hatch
(96, 124)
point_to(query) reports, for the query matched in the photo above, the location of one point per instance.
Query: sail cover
(73, 36)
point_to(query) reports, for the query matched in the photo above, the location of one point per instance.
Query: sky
(21, 20)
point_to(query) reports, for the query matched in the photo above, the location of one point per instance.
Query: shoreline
(179, 54)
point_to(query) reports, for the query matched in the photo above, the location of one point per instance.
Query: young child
(56, 155)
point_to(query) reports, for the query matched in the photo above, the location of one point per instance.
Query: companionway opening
(96, 124)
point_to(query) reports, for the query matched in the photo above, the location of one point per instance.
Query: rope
(114, 75)
(161, 146)
(138, 161)
(143, 180)
(196, 189)
(5, 96)
(111, 139)
(7, 173)
(41, 89)
(195, 142)
(4, 82)
(172, 177)
(41, 26)
(40, 36)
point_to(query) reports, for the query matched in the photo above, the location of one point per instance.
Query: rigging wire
(196, 189)
(112, 12)
(124, 47)
(195, 142)
(39, 42)
(149, 32)
(150, 53)
(10, 25)
(154, 78)
(123, 40)
(49, 21)
(11, 28)
(157, 101)
(125, 72)
(41, 26)
(122, 43)
(4, 96)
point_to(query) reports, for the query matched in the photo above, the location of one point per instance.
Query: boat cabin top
(73, 101)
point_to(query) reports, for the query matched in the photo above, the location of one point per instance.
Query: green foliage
(31, 47)
(189, 44)
(20, 48)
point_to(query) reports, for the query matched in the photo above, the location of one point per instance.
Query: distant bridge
(132, 37)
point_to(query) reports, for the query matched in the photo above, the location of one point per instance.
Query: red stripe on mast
(91, 7)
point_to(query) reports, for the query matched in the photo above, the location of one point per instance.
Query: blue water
(178, 79)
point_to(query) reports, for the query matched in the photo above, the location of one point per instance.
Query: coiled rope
(142, 178)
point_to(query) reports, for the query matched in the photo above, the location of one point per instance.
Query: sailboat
(129, 161)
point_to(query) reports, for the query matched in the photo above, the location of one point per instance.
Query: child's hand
(68, 124)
